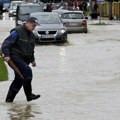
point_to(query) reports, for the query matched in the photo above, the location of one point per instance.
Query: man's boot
(28, 93)
(32, 97)
(10, 96)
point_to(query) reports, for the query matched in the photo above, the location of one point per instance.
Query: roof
(29, 4)
(59, 10)
(73, 12)
(44, 13)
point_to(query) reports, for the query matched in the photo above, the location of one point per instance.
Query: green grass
(3, 71)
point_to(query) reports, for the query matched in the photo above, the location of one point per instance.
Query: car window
(14, 5)
(30, 9)
(48, 19)
(58, 12)
(72, 16)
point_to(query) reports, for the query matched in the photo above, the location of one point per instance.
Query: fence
(106, 7)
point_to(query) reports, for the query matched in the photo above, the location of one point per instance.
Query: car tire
(65, 40)
(86, 32)
(10, 15)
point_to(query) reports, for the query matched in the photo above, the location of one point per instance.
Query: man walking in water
(19, 47)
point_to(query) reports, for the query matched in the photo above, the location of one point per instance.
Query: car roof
(44, 13)
(73, 12)
(30, 4)
(60, 10)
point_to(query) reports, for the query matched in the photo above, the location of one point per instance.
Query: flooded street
(77, 81)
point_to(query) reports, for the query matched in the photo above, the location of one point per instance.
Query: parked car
(13, 7)
(51, 28)
(6, 7)
(74, 21)
(24, 10)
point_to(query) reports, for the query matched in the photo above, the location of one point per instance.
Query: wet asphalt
(79, 80)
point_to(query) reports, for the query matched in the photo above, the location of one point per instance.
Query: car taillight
(84, 22)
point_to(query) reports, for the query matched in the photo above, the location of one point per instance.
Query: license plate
(73, 24)
(47, 36)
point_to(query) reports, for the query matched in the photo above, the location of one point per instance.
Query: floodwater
(77, 81)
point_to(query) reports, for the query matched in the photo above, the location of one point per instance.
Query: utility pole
(100, 13)
(91, 6)
(110, 10)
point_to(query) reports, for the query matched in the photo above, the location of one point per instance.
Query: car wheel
(86, 32)
(10, 15)
(65, 40)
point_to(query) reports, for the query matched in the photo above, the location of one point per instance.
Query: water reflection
(5, 16)
(63, 59)
(18, 112)
(62, 51)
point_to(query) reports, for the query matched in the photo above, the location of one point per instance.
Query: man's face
(30, 26)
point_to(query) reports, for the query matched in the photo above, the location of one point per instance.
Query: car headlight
(62, 31)
(11, 11)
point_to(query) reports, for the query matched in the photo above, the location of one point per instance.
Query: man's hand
(7, 59)
(34, 64)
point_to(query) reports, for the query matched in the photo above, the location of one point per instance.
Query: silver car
(51, 28)
(74, 21)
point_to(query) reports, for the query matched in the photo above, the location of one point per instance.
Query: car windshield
(30, 9)
(14, 5)
(48, 19)
(58, 12)
(72, 16)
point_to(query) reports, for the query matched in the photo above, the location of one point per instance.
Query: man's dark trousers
(23, 65)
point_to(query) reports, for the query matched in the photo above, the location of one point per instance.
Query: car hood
(50, 27)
